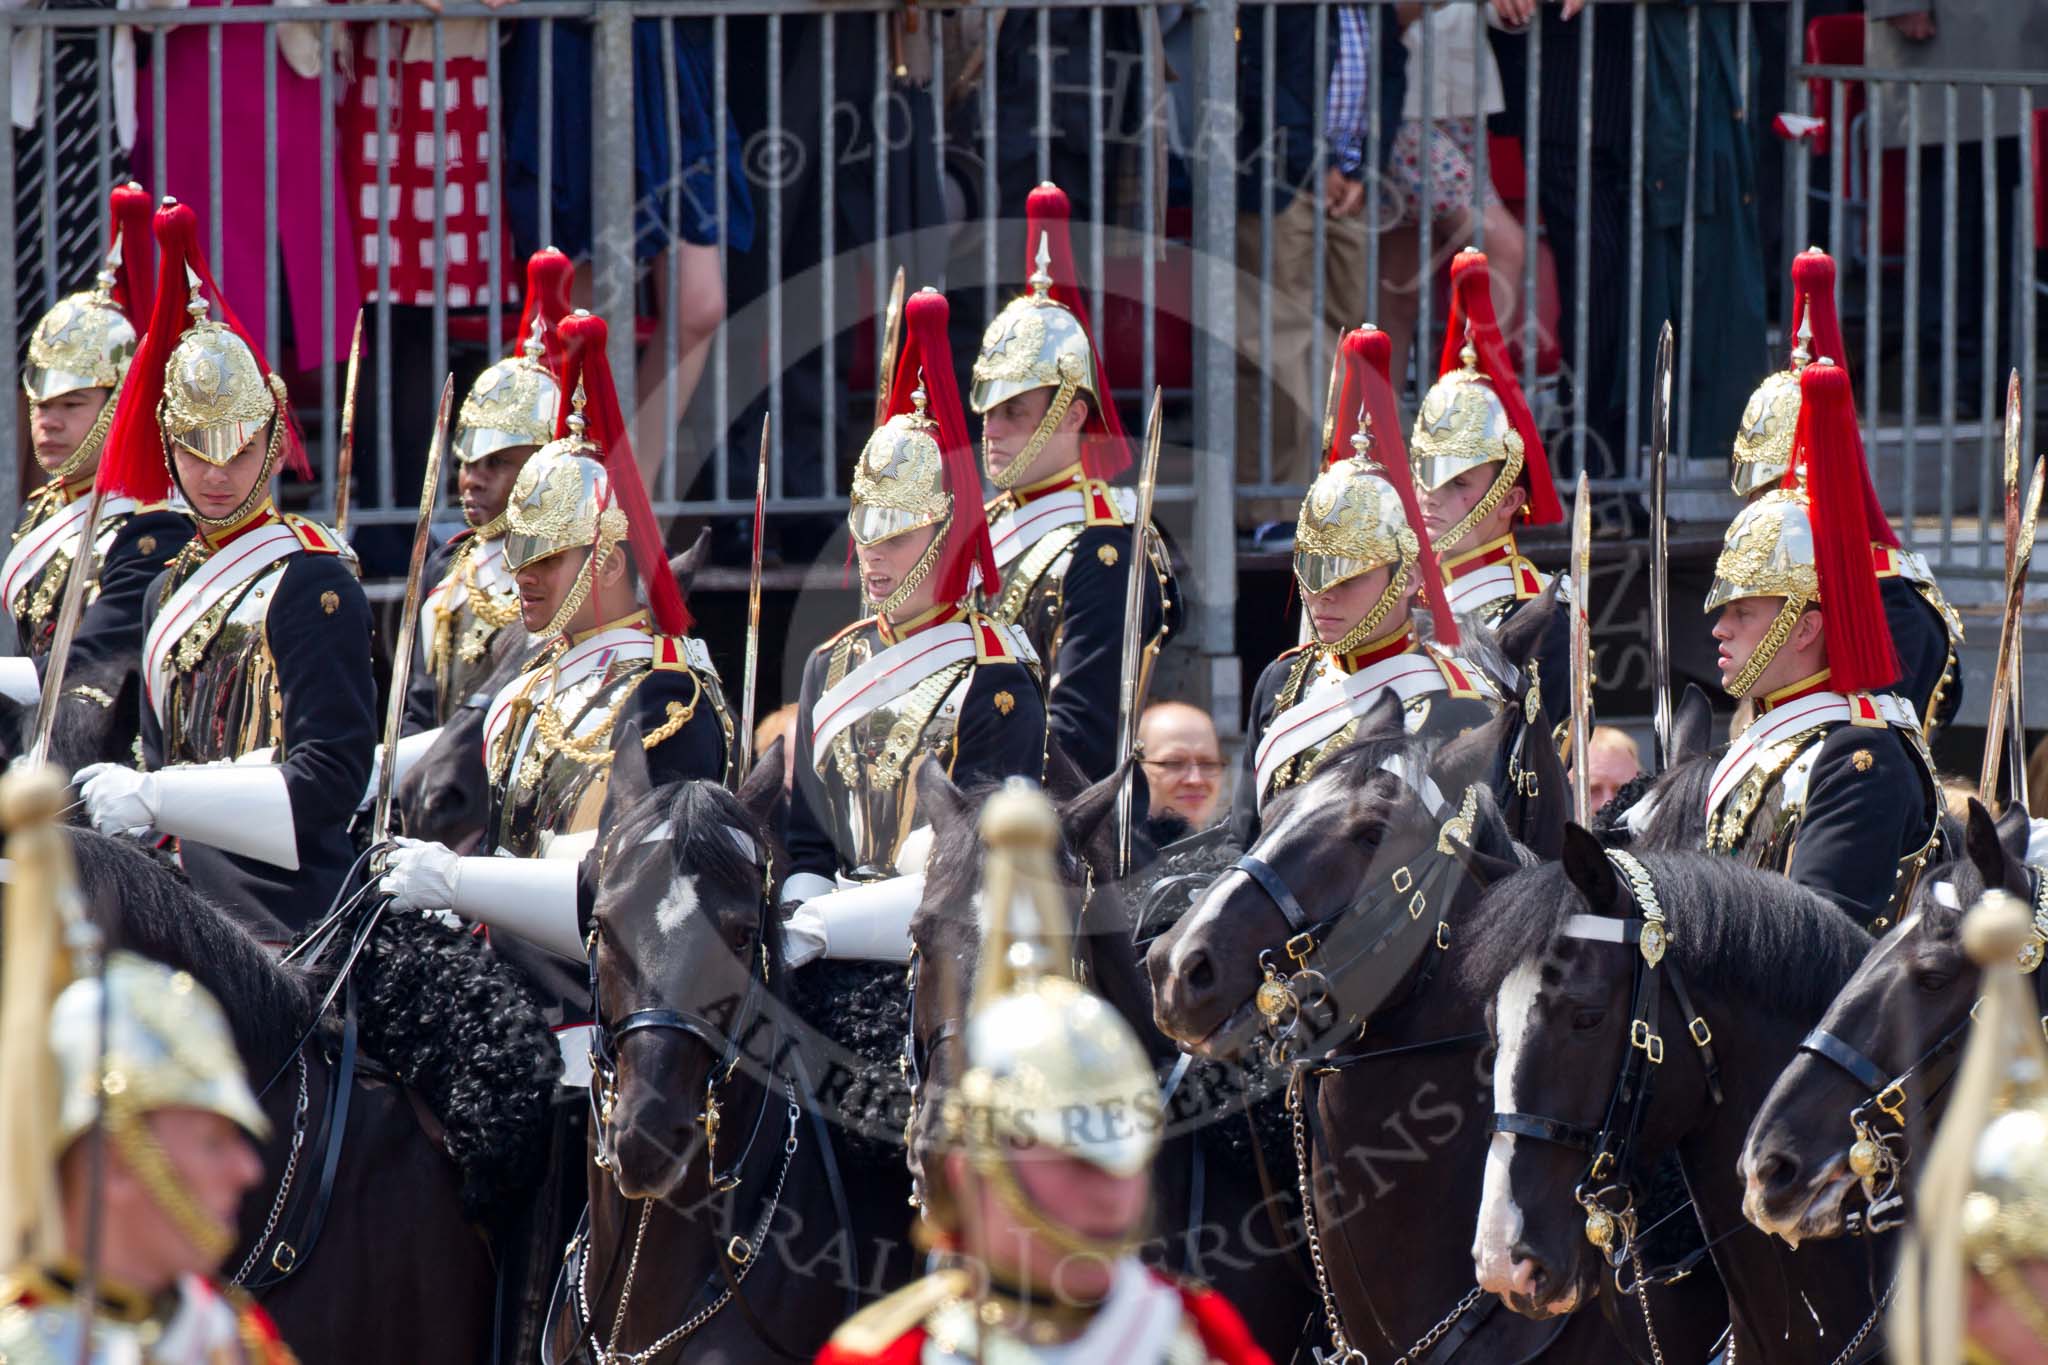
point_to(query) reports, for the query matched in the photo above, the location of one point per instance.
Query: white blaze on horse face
(677, 906)
(1500, 1221)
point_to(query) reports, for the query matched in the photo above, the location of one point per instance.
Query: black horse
(1212, 1219)
(1393, 1115)
(1875, 1069)
(380, 1254)
(722, 1224)
(1618, 1042)
(97, 723)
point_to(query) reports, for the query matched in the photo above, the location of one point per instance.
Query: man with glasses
(1183, 763)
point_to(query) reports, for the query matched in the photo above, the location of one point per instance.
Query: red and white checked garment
(397, 219)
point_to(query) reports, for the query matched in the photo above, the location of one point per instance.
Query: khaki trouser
(1294, 402)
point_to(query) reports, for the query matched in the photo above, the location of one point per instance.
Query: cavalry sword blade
(1582, 652)
(892, 344)
(84, 567)
(345, 461)
(1660, 556)
(1130, 679)
(2020, 555)
(408, 623)
(750, 674)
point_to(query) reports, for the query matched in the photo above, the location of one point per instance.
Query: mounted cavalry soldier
(162, 1092)
(1973, 1277)
(924, 679)
(257, 724)
(77, 360)
(1480, 469)
(508, 414)
(1361, 551)
(582, 544)
(1052, 443)
(1831, 784)
(1926, 630)
(1038, 1198)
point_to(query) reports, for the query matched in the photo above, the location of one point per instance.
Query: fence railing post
(1212, 603)
(613, 264)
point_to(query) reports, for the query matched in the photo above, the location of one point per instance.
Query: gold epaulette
(874, 1328)
(993, 643)
(313, 537)
(1100, 500)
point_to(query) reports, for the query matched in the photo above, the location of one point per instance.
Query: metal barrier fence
(755, 169)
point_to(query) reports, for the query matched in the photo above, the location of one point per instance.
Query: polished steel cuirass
(457, 644)
(1034, 596)
(224, 696)
(36, 620)
(1313, 668)
(869, 775)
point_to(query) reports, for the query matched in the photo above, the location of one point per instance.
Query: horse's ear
(1984, 841)
(1385, 720)
(1081, 818)
(762, 788)
(1692, 726)
(630, 782)
(1586, 863)
(1064, 780)
(938, 800)
(1521, 636)
(2015, 828)
(684, 567)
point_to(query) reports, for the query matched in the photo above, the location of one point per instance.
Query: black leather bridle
(1878, 1154)
(1607, 1191)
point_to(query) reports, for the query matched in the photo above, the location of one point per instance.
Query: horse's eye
(1588, 1017)
(1933, 980)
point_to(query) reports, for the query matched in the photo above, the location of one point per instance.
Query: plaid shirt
(1346, 121)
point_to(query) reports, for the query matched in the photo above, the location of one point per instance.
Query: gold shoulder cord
(594, 749)
(1289, 694)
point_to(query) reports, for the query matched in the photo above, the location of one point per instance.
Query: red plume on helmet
(548, 275)
(584, 337)
(1813, 299)
(129, 209)
(1839, 496)
(928, 363)
(1105, 448)
(1472, 318)
(136, 463)
(1368, 388)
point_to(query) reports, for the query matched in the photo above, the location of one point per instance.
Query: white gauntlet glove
(422, 876)
(119, 800)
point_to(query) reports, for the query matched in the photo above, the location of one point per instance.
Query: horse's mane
(145, 907)
(1680, 815)
(1739, 932)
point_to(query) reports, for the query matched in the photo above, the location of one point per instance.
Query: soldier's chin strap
(1012, 474)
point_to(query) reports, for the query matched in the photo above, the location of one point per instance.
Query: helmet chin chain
(893, 603)
(1768, 647)
(1510, 470)
(1011, 474)
(89, 448)
(1366, 631)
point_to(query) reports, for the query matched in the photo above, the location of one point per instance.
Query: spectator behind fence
(1183, 764)
(247, 257)
(1432, 170)
(685, 274)
(391, 183)
(1278, 176)
(1616, 762)
(1963, 35)
(82, 177)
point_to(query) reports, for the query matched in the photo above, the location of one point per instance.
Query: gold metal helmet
(1982, 1201)
(900, 486)
(1050, 1067)
(1763, 443)
(1036, 342)
(1767, 552)
(85, 342)
(1352, 523)
(1463, 425)
(216, 396)
(562, 500)
(512, 404)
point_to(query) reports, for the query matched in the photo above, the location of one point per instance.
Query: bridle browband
(1607, 1192)
(1877, 1155)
